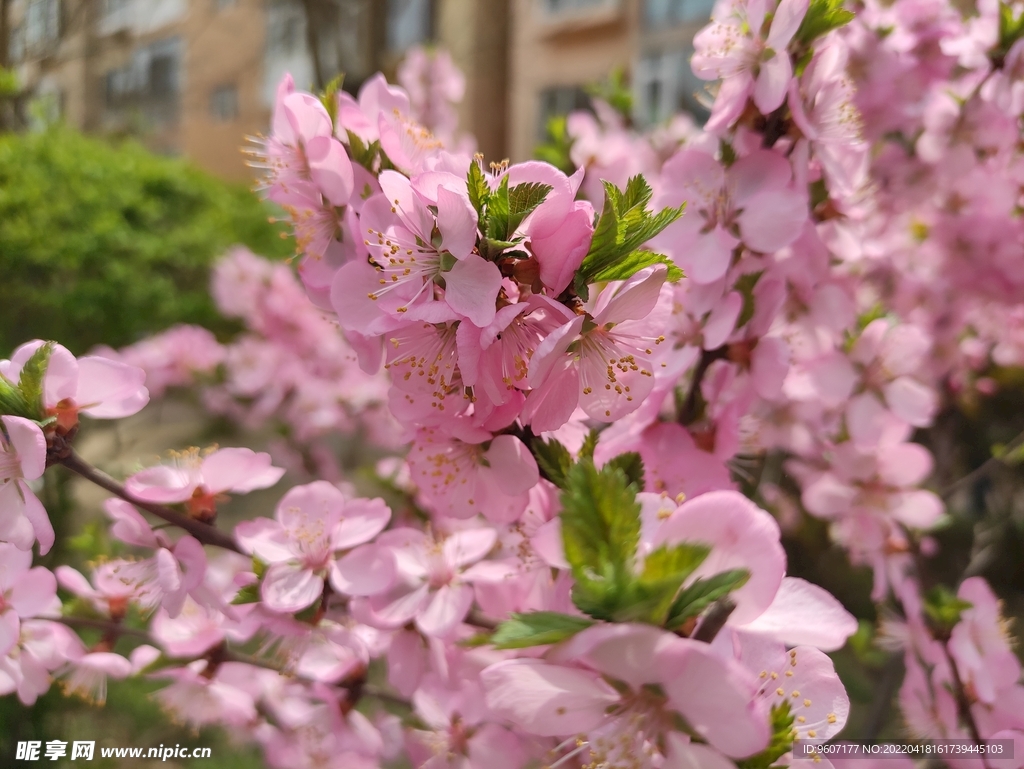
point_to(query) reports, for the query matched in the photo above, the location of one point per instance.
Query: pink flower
(312, 525)
(25, 593)
(415, 249)
(434, 580)
(462, 478)
(199, 481)
(603, 361)
(98, 387)
(749, 56)
(659, 676)
(979, 643)
(86, 673)
(22, 458)
(753, 202)
(561, 253)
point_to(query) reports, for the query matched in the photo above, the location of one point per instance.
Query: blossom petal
(288, 587)
(805, 614)
(471, 286)
(447, 608)
(367, 570)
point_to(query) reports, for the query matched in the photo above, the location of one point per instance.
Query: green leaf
(632, 465)
(537, 628)
(362, 153)
(507, 208)
(822, 17)
(704, 592)
(479, 190)
(12, 401)
(650, 595)
(555, 150)
(624, 226)
(589, 444)
(600, 532)
(781, 742)
(553, 459)
(31, 382)
(475, 641)
(1011, 29)
(745, 285)
(523, 199)
(943, 608)
(248, 594)
(632, 263)
(329, 98)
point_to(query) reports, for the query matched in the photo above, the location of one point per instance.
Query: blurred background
(122, 181)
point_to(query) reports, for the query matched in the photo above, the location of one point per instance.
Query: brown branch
(714, 620)
(109, 627)
(983, 469)
(963, 705)
(204, 532)
(689, 410)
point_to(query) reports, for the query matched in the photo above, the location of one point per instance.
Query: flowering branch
(204, 532)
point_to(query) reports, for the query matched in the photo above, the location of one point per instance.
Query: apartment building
(558, 47)
(194, 77)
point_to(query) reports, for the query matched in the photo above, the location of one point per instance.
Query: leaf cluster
(625, 224)
(822, 17)
(25, 397)
(781, 742)
(500, 212)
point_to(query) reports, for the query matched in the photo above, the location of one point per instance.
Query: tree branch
(983, 469)
(204, 532)
(689, 410)
(714, 620)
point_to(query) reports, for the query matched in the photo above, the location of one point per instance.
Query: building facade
(195, 77)
(559, 47)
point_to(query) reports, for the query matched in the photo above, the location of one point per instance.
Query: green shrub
(103, 243)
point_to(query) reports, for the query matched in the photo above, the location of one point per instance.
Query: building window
(42, 25)
(664, 84)
(562, 6)
(150, 82)
(557, 101)
(220, 5)
(409, 22)
(286, 28)
(117, 14)
(224, 103)
(660, 13)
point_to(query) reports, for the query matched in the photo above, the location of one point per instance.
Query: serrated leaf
(1011, 28)
(702, 593)
(589, 444)
(362, 153)
(523, 200)
(746, 285)
(537, 628)
(479, 190)
(475, 641)
(943, 608)
(12, 401)
(31, 382)
(822, 17)
(600, 532)
(632, 263)
(329, 98)
(553, 459)
(624, 226)
(632, 465)
(651, 594)
(781, 742)
(248, 594)
(498, 212)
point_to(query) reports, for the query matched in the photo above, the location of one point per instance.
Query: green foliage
(362, 153)
(553, 459)
(781, 742)
(25, 397)
(507, 208)
(556, 149)
(625, 225)
(822, 17)
(942, 608)
(632, 465)
(615, 91)
(104, 244)
(479, 190)
(9, 85)
(1011, 29)
(600, 533)
(704, 592)
(329, 98)
(537, 629)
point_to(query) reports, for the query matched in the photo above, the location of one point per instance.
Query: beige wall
(573, 48)
(225, 47)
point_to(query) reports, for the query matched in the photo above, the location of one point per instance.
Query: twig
(204, 532)
(689, 410)
(963, 705)
(882, 701)
(714, 620)
(982, 469)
